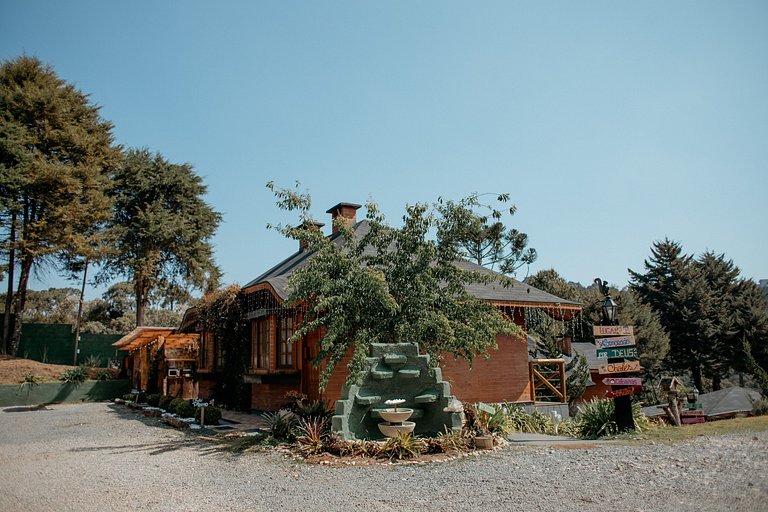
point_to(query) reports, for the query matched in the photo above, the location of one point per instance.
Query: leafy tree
(389, 285)
(55, 155)
(162, 227)
(480, 235)
(51, 306)
(652, 339)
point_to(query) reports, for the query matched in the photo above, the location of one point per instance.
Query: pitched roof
(515, 294)
(589, 351)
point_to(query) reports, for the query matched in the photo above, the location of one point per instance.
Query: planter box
(58, 392)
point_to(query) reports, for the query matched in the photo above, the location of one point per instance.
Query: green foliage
(165, 402)
(129, 397)
(92, 361)
(479, 233)
(312, 433)
(384, 284)
(316, 409)
(162, 227)
(175, 404)
(74, 375)
(281, 425)
(450, 441)
(154, 399)
(402, 446)
(105, 375)
(212, 415)
(717, 322)
(596, 418)
(56, 154)
(221, 314)
(185, 409)
(29, 382)
(522, 421)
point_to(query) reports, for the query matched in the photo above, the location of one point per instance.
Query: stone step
(367, 400)
(425, 399)
(409, 373)
(395, 360)
(382, 374)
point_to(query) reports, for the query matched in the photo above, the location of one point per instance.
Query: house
(595, 386)
(277, 366)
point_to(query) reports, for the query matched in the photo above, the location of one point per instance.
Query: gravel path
(102, 457)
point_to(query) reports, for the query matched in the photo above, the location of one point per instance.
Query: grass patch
(666, 434)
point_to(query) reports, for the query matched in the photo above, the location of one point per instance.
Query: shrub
(760, 407)
(281, 424)
(596, 418)
(401, 447)
(450, 441)
(105, 375)
(73, 375)
(29, 381)
(531, 423)
(129, 397)
(92, 361)
(311, 435)
(316, 409)
(174, 405)
(165, 402)
(183, 408)
(212, 415)
(154, 399)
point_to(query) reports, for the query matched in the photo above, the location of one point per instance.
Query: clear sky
(612, 124)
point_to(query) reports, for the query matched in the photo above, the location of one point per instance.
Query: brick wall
(502, 378)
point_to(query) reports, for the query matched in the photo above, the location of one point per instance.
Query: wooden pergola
(179, 351)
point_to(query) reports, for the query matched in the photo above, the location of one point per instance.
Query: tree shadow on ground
(203, 442)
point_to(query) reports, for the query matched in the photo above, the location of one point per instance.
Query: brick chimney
(309, 225)
(347, 212)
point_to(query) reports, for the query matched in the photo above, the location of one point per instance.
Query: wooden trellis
(547, 374)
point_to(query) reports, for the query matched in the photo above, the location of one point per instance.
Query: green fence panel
(55, 344)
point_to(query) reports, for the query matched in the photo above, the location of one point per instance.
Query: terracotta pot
(484, 442)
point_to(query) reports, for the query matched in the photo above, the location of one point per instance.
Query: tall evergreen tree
(55, 156)
(162, 226)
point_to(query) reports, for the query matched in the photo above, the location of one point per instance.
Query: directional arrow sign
(610, 353)
(613, 330)
(626, 366)
(619, 341)
(625, 381)
(634, 390)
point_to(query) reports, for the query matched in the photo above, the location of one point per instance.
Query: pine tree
(56, 153)
(162, 227)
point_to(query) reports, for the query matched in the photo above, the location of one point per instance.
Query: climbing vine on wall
(221, 313)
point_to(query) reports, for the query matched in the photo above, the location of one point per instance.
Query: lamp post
(622, 404)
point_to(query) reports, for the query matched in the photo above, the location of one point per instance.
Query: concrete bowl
(395, 416)
(391, 429)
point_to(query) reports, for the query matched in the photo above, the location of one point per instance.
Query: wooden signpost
(625, 367)
(632, 390)
(625, 381)
(610, 353)
(618, 341)
(613, 330)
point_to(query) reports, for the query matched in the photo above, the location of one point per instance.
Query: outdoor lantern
(610, 309)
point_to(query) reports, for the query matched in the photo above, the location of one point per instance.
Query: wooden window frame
(260, 331)
(285, 350)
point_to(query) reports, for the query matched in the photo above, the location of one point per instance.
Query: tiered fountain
(396, 419)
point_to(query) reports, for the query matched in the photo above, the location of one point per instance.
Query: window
(260, 337)
(220, 353)
(284, 347)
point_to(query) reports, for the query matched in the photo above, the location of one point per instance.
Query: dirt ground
(13, 370)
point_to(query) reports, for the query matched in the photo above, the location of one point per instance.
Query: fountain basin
(395, 415)
(391, 429)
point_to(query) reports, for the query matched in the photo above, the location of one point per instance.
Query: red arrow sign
(633, 390)
(625, 381)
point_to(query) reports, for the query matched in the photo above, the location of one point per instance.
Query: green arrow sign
(627, 352)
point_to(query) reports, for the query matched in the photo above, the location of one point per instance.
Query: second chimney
(346, 211)
(309, 225)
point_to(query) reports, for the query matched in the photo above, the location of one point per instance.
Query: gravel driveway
(102, 457)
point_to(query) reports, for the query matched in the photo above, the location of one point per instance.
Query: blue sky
(611, 124)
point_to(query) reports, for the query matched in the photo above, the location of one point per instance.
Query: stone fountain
(396, 419)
